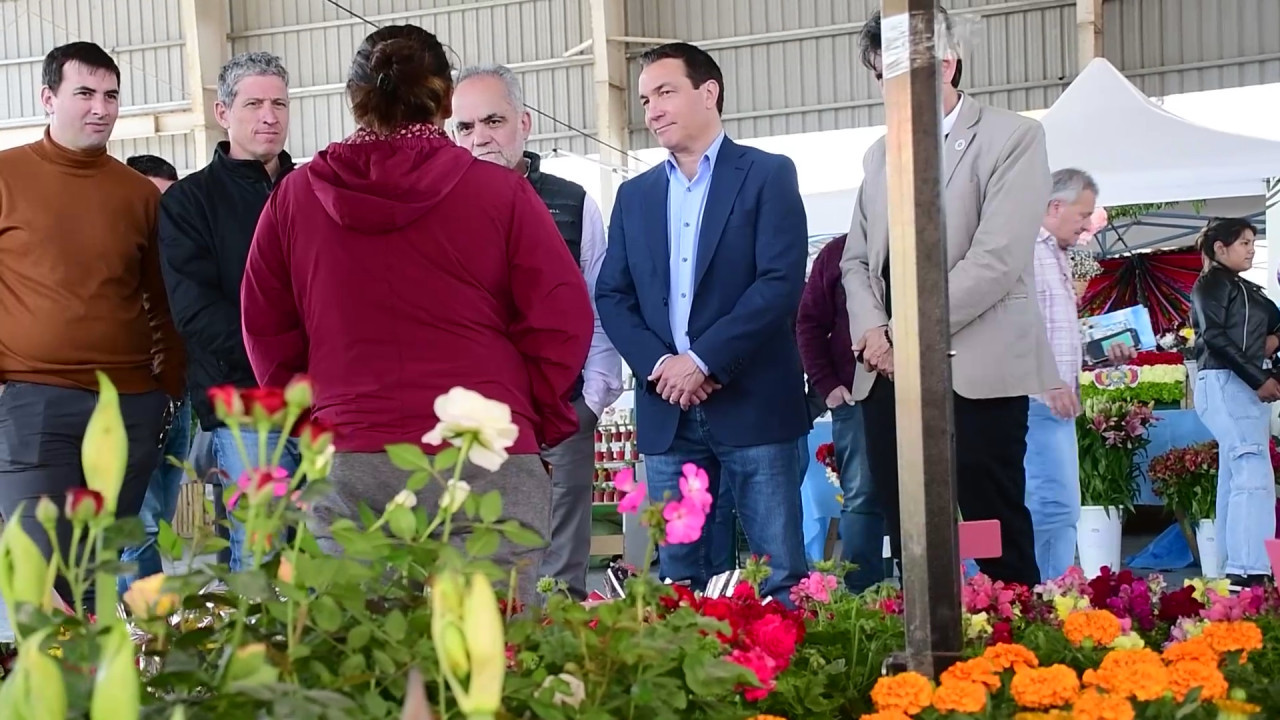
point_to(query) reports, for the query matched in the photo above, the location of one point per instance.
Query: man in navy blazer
(699, 289)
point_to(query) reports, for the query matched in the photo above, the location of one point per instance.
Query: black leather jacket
(1232, 318)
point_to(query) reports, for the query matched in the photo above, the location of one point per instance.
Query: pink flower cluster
(1127, 596)
(814, 590)
(1249, 602)
(685, 517)
(1122, 426)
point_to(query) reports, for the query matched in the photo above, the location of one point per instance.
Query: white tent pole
(1273, 238)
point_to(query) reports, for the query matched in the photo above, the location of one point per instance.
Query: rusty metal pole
(922, 336)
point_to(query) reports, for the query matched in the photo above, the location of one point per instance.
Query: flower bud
(46, 512)
(104, 453)
(285, 570)
(454, 495)
(486, 647)
(453, 650)
(84, 505)
(265, 405)
(116, 692)
(298, 393)
(146, 599)
(22, 568)
(34, 689)
(314, 436)
(227, 403)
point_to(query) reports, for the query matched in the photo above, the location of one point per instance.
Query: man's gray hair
(249, 64)
(515, 93)
(1070, 183)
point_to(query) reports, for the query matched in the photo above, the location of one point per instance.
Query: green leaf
(252, 585)
(418, 480)
(325, 613)
(383, 662)
(394, 625)
(521, 535)
(353, 665)
(408, 456)
(491, 507)
(446, 459)
(359, 637)
(483, 542)
(707, 676)
(170, 545)
(402, 522)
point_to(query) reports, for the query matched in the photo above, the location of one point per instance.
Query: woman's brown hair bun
(400, 76)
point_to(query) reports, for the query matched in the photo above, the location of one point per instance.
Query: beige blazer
(997, 185)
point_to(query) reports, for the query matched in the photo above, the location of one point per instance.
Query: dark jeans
(861, 525)
(764, 483)
(41, 431)
(990, 446)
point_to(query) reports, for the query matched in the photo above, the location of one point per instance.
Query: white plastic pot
(1098, 539)
(1210, 556)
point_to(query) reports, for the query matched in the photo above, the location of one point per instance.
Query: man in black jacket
(207, 221)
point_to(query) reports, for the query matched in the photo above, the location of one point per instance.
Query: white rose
(466, 413)
(404, 498)
(455, 493)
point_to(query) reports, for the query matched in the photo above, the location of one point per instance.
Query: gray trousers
(371, 479)
(572, 472)
(41, 431)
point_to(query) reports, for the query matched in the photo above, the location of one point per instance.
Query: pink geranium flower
(260, 483)
(630, 502)
(814, 589)
(685, 519)
(696, 486)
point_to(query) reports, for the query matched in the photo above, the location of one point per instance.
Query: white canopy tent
(1141, 153)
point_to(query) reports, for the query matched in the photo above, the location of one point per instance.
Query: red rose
(775, 635)
(84, 504)
(227, 404)
(263, 403)
(314, 435)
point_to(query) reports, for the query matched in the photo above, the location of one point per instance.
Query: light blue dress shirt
(686, 200)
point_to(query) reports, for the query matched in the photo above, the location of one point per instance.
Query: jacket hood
(382, 186)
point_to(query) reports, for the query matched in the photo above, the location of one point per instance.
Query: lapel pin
(960, 144)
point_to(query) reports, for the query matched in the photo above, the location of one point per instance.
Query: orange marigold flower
(887, 715)
(1189, 674)
(907, 692)
(1098, 626)
(1051, 715)
(1239, 635)
(978, 670)
(1093, 705)
(960, 696)
(1045, 688)
(1006, 656)
(766, 717)
(1137, 673)
(1195, 649)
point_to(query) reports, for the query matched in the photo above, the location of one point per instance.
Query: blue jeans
(764, 484)
(231, 466)
(161, 500)
(861, 525)
(1053, 488)
(1241, 423)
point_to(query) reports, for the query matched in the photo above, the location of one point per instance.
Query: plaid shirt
(1057, 296)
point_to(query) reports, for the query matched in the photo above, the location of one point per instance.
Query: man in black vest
(490, 120)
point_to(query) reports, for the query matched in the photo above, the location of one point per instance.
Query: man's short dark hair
(88, 54)
(699, 66)
(153, 167)
(870, 42)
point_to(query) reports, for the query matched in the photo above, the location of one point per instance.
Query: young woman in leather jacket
(1237, 331)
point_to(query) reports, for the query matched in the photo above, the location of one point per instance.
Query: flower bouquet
(826, 455)
(1084, 268)
(1186, 479)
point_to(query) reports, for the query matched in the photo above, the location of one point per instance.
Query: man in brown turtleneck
(80, 291)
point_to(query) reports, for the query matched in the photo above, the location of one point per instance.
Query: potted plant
(1186, 481)
(1110, 433)
(1084, 268)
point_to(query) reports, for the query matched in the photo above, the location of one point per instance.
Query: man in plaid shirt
(1052, 462)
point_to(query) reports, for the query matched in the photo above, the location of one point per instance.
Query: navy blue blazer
(748, 278)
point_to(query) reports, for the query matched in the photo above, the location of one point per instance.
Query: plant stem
(291, 417)
(106, 594)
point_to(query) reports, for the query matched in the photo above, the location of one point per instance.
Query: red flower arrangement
(762, 637)
(1186, 480)
(1157, 357)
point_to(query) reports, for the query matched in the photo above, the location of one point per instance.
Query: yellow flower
(1128, 641)
(1222, 587)
(1064, 605)
(1236, 709)
(146, 599)
(977, 625)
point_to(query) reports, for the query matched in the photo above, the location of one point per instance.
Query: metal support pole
(922, 337)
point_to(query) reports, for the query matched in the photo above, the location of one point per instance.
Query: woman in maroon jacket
(394, 267)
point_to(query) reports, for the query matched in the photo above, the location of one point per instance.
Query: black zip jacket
(1232, 318)
(207, 221)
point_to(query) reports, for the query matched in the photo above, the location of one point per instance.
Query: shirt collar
(1045, 236)
(708, 157)
(949, 121)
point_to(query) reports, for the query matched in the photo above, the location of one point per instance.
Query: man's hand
(688, 400)
(874, 348)
(679, 379)
(1063, 403)
(1121, 353)
(839, 396)
(1273, 344)
(1270, 391)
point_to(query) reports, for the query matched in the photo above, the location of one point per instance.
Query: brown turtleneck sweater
(80, 283)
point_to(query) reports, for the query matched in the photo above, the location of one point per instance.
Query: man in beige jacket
(996, 179)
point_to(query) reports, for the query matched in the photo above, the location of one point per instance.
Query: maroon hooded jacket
(392, 270)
